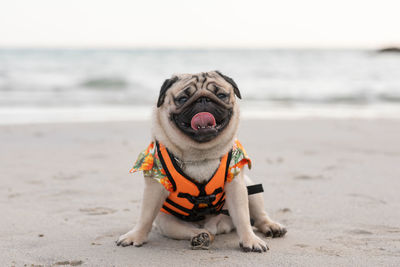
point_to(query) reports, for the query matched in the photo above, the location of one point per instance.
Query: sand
(66, 195)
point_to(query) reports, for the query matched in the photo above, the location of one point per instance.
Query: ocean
(55, 85)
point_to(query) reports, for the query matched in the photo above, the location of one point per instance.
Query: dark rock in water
(392, 49)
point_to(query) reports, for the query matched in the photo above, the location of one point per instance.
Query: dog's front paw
(253, 243)
(133, 237)
(271, 228)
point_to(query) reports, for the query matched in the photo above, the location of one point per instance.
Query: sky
(199, 24)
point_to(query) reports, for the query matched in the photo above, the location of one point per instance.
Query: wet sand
(66, 195)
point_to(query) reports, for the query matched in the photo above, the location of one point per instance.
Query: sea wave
(79, 78)
(106, 83)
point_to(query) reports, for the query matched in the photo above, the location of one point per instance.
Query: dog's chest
(201, 171)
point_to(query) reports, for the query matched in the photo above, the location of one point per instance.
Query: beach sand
(66, 195)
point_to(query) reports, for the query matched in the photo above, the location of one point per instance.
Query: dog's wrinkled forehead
(206, 82)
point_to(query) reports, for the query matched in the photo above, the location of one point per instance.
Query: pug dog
(196, 120)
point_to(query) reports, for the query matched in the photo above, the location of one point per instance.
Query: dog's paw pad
(201, 241)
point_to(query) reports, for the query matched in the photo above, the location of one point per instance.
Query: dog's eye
(222, 96)
(182, 100)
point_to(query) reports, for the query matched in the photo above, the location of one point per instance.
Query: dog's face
(201, 107)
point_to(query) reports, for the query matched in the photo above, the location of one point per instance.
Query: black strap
(191, 218)
(225, 212)
(195, 214)
(170, 178)
(169, 201)
(202, 198)
(255, 189)
(228, 162)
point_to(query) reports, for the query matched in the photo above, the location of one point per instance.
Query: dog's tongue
(203, 120)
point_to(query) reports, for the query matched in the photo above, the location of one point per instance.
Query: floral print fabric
(149, 162)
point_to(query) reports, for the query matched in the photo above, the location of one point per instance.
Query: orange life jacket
(191, 200)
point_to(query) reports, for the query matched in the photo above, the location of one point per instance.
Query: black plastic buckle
(204, 199)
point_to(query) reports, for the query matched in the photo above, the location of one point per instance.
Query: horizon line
(191, 48)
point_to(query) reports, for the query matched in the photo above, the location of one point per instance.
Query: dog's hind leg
(261, 219)
(172, 227)
(219, 224)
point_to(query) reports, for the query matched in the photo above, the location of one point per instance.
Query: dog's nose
(203, 100)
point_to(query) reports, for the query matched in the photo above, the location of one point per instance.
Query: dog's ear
(164, 88)
(231, 82)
